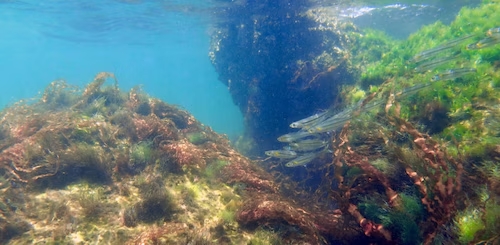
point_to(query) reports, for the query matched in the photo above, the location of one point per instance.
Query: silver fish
(413, 89)
(493, 31)
(434, 63)
(308, 145)
(302, 160)
(432, 52)
(310, 120)
(291, 137)
(486, 42)
(452, 74)
(284, 154)
(332, 123)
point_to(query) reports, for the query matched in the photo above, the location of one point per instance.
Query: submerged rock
(280, 63)
(102, 166)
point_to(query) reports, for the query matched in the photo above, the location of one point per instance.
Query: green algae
(191, 191)
(491, 169)
(402, 220)
(383, 165)
(382, 59)
(468, 223)
(263, 237)
(213, 169)
(91, 201)
(197, 138)
(460, 113)
(227, 216)
(141, 155)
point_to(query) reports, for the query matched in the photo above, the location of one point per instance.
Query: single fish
(486, 42)
(434, 63)
(310, 120)
(493, 31)
(432, 52)
(413, 89)
(338, 120)
(452, 74)
(332, 123)
(291, 137)
(302, 160)
(284, 154)
(495, 35)
(331, 115)
(308, 145)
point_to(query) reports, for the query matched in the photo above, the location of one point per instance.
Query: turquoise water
(161, 45)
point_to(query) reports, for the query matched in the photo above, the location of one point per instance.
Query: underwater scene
(250, 122)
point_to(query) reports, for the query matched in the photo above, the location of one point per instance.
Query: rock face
(280, 62)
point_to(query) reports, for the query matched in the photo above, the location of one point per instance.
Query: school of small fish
(312, 139)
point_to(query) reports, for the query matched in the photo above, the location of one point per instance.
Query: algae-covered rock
(137, 171)
(280, 63)
(102, 166)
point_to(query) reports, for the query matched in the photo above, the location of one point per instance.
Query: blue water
(161, 45)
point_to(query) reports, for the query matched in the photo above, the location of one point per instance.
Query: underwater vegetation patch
(91, 201)
(141, 155)
(97, 165)
(415, 134)
(402, 220)
(197, 138)
(157, 205)
(65, 138)
(213, 170)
